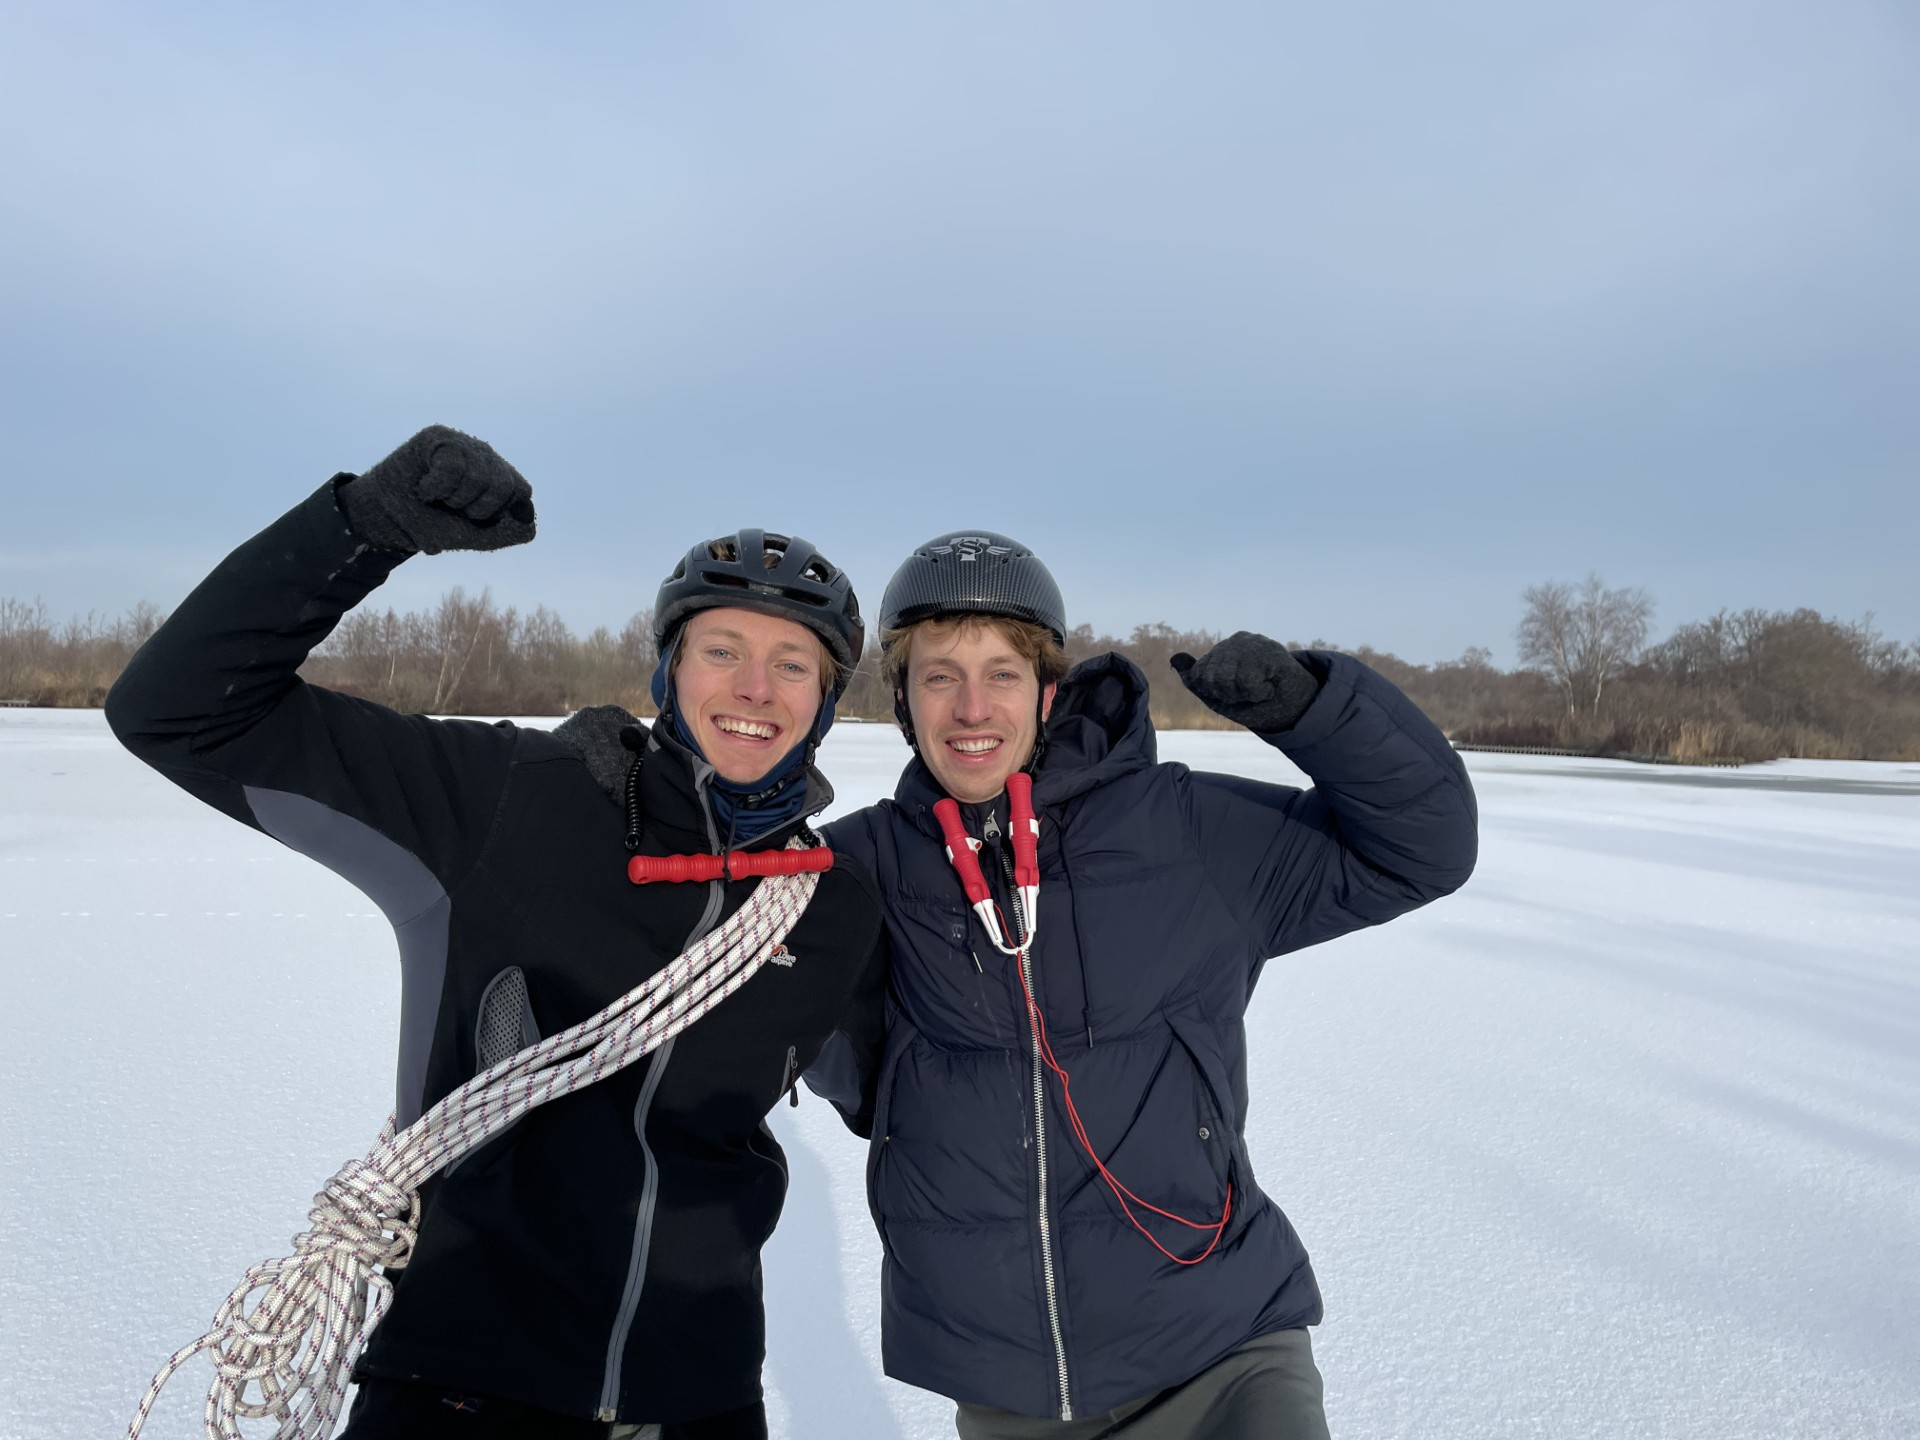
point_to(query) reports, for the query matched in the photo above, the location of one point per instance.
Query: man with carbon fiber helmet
(1096, 1258)
(594, 1270)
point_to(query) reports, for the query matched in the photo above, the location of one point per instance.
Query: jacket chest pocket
(505, 1025)
(949, 976)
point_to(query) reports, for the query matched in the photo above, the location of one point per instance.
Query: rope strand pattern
(285, 1342)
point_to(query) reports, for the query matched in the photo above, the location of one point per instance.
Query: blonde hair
(1033, 643)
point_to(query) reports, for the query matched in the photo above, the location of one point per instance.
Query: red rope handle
(1023, 830)
(735, 865)
(960, 854)
(1120, 1191)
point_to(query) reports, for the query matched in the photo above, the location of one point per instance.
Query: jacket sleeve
(399, 805)
(1389, 824)
(846, 1072)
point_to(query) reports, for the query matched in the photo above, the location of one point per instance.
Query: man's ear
(1046, 701)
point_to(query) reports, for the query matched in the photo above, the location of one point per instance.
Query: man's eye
(719, 652)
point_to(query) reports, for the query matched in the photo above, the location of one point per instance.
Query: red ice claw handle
(960, 848)
(966, 864)
(1024, 832)
(735, 865)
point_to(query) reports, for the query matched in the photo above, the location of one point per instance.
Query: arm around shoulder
(846, 1072)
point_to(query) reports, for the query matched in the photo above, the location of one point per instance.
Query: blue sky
(1324, 321)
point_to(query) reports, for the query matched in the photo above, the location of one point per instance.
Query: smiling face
(976, 704)
(749, 687)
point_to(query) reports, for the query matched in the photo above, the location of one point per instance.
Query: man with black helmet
(1076, 1245)
(593, 1271)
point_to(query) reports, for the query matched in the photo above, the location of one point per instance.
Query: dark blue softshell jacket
(1162, 893)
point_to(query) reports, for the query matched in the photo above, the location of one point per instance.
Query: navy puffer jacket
(1162, 893)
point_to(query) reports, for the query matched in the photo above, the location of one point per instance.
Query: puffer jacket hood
(1098, 731)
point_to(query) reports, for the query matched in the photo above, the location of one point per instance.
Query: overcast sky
(1344, 321)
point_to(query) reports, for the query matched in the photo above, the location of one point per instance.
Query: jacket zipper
(790, 1077)
(642, 1244)
(609, 1411)
(1049, 1275)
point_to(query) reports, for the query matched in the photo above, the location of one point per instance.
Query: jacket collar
(675, 808)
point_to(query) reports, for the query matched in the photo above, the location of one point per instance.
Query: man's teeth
(974, 747)
(752, 728)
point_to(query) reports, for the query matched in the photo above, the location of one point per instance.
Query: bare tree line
(1747, 685)
(71, 662)
(466, 657)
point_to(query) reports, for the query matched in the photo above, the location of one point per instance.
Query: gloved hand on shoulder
(441, 490)
(1250, 680)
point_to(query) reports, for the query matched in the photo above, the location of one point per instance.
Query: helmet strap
(1039, 733)
(904, 717)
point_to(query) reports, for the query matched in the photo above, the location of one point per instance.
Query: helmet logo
(970, 548)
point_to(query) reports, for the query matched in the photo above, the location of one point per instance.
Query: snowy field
(1622, 1141)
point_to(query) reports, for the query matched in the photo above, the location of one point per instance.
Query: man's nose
(753, 680)
(970, 704)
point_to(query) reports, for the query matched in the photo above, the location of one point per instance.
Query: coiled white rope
(294, 1327)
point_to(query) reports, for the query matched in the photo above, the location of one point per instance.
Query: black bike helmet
(779, 575)
(973, 572)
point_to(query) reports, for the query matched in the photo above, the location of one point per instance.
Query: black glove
(441, 490)
(1250, 680)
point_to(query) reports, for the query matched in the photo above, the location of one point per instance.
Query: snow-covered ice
(1623, 1140)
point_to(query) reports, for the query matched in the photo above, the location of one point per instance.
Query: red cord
(1120, 1191)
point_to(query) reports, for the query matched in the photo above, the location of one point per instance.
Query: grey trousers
(1268, 1389)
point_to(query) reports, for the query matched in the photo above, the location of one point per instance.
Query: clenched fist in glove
(1252, 681)
(441, 490)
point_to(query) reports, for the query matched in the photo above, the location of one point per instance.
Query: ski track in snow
(1622, 1140)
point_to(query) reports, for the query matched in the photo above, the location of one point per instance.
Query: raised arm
(214, 702)
(1389, 824)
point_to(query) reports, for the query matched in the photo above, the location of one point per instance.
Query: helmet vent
(773, 573)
